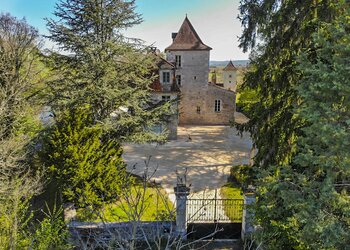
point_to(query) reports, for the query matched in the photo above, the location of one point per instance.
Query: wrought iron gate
(214, 210)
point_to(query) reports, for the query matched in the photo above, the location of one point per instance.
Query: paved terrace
(207, 152)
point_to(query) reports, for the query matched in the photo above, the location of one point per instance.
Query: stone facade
(201, 109)
(184, 74)
(201, 103)
(165, 89)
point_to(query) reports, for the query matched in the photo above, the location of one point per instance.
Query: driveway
(206, 153)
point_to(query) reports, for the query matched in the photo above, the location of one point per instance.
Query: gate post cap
(250, 190)
(181, 189)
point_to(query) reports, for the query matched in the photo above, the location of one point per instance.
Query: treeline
(300, 121)
(65, 113)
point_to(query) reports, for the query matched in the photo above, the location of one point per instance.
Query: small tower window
(195, 77)
(198, 110)
(230, 76)
(178, 61)
(178, 80)
(217, 106)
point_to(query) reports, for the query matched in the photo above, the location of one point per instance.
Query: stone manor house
(184, 74)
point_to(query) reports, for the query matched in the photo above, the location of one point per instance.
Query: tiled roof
(162, 63)
(187, 39)
(230, 67)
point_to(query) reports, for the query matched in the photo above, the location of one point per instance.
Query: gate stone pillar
(181, 192)
(248, 215)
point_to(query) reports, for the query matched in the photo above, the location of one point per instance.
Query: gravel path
(205, 152)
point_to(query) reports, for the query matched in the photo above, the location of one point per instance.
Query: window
(229, 81)
(166, 98)
(230, 76)
(178, 61)
(195, 77)
(198, 110)
(178, 80)
(166, 77)
(217, 107)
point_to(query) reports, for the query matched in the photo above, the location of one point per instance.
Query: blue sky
(214, 20)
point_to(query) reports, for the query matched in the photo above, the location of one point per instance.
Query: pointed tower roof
(187, 39)
(230, 67)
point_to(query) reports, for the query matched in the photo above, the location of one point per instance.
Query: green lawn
(239, 177)
(233, 209)
(139, 203)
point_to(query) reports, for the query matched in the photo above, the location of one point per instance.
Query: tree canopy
(88, 169)
(103, 68)
(20, 72)
(299, 122)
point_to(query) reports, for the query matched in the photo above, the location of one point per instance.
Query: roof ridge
(187, 38)
(230, 66)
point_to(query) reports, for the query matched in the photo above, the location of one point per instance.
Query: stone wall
(197, 96)
(194, 68)
(99, 235)
(204, 99)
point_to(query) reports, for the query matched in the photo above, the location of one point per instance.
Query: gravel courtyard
(207, 152)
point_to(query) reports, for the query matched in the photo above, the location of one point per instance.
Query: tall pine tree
(277, 32)
(102, 68)
(297, 122)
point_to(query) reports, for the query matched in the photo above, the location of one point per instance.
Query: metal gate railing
(214, 210)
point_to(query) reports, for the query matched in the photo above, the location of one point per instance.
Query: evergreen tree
(104, 69)
(298, 123)
(277, 32)
(87, 168)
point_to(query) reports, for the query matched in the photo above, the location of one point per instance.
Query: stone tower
(230, 77)
(191, 59)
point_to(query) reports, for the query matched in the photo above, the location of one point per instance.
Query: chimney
(173, 35)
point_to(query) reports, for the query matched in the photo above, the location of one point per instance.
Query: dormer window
(166, 77)
(178, 61)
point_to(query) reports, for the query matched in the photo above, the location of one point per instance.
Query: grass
(149, 203)
(231, 191)
(233, 209)
(239, 177)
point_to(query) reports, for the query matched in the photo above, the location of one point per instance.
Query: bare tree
(19, 73)
(135, 233)
(18, 53)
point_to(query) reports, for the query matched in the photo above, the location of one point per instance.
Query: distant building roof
(187, 39)
(230, 67)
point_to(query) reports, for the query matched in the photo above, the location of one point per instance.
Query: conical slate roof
(187, 39)
(230, 67)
